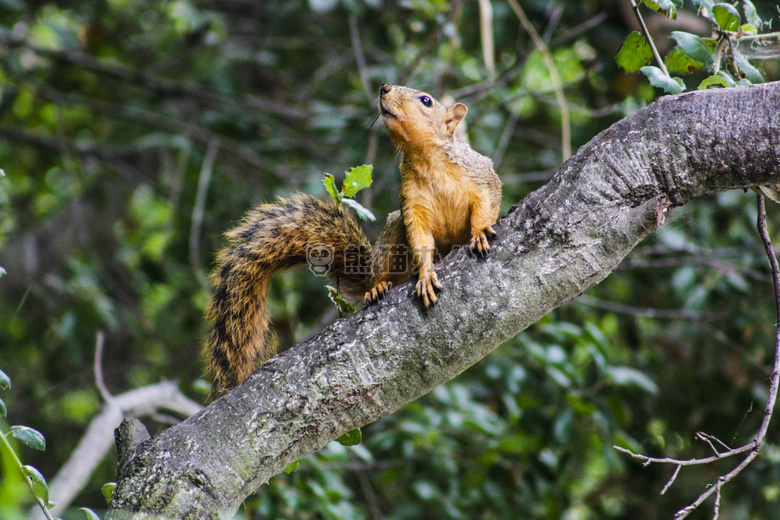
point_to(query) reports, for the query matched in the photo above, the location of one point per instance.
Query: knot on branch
(130, 434)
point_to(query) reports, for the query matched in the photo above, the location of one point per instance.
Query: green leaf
(693, 46)
(357, 179)
(3, 409)
(747, 28)
(359, 209)
(39, 487)
(706, 8)
(634, 53)
(627, 376)
(90, 514)
(751, 73)
(291, 467)
(726, 16)
(343, 305)
(108, 491)
(751, 14)
(351, 438)
(713, 82)
(727, 77)
(5, 381)
(2, 271)
(28, 436)
(677, 62)
(659, 79)
(330, 187)
(666, 7)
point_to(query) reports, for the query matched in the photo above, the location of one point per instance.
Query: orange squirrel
(450, 196)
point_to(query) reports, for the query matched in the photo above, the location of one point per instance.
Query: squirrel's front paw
(427, 287)
(479, 242)
(377, 292)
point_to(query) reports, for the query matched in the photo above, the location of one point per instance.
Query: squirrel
(450, 196)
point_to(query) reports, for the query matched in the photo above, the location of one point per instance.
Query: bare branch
(754, 446)
(101, 385)
(198, 210)
(99, 436)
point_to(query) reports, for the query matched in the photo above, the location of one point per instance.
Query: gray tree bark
(558, 242)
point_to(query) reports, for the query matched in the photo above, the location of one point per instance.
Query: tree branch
(558, 242)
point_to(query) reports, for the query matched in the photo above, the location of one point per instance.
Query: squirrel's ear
(453, 116)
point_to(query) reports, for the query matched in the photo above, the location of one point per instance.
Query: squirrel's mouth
(384, 111)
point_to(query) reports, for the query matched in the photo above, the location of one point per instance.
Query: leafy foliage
(108, 110)
(693, 52)
(31, 476)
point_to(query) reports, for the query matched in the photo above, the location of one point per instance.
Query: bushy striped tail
(273, 237)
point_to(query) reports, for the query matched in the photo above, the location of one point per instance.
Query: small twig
(554, 77)
(503, 142)
(640, 311)
(486, 35)
(649, 38)
(754, 446)
(98, 368)
(706, 437)
(360, 58)
(716, 509)
(671, 480)
(646, 461)
(198, 211)
(579, 29)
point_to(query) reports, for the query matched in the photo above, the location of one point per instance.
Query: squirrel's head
(415, 120)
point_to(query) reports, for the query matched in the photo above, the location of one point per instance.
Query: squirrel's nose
(385, 88)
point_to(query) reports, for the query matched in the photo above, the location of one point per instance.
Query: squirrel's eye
(425, 100)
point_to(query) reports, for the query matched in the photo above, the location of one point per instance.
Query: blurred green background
(108, 110)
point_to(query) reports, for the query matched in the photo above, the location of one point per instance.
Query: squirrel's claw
(479, 242)
(377, 292)
(427, 287)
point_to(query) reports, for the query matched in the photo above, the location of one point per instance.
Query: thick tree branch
(558, 242)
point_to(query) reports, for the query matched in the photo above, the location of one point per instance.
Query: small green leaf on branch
(726, 16)
(357, 179)
(343, 305)
(658, 79)
(693, 46)
(361, 211)
(108, 491)
(351, 438)
(90, 514)
(634, 53)
(39, 487)
(665, 7)
(677, 62)
(713, 82)
(26, 435)
(751, 14)
(330, 186)
(706, 8)
(5, 381)
(291, 467)
(751, 73)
